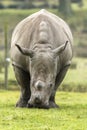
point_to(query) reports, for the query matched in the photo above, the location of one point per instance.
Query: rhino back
(41, 26)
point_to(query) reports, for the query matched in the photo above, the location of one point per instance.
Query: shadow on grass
(61, 107)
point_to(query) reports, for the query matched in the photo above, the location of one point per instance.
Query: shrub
(1, 6)
(13, 6)
(27, 6)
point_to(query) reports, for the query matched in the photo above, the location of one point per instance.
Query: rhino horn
(25, 51)
(60, 48)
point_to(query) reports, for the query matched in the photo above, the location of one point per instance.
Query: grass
(71, 114)
(76, 78)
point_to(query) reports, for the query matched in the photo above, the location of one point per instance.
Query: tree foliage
(65, 7)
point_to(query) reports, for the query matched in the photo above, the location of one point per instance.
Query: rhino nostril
(39, 87)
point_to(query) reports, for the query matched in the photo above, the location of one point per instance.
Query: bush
(1, 6)
(26, 6)
(15, 6)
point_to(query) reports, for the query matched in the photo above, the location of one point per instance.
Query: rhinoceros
(41, 53)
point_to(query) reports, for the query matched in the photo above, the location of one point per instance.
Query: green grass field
(72, 114)
(76, 78)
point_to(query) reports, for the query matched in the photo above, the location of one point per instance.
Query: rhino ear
(60, 49)
(25, 51)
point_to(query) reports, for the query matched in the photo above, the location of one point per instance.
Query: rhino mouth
(38, 105)
(38, 102)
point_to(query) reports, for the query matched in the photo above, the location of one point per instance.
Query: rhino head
(43, 69)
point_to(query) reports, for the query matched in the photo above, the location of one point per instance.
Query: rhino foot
(53, 105)
(21, 103)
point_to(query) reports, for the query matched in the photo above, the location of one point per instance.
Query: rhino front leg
(23, 79)
(58, 81)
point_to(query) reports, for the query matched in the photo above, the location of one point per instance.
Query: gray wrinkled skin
(43, 72)
(41, 53)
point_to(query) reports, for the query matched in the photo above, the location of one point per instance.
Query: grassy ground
(72, 114)
(76, 78)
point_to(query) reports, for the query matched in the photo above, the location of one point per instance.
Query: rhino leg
(23, 79)
(58, 81)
